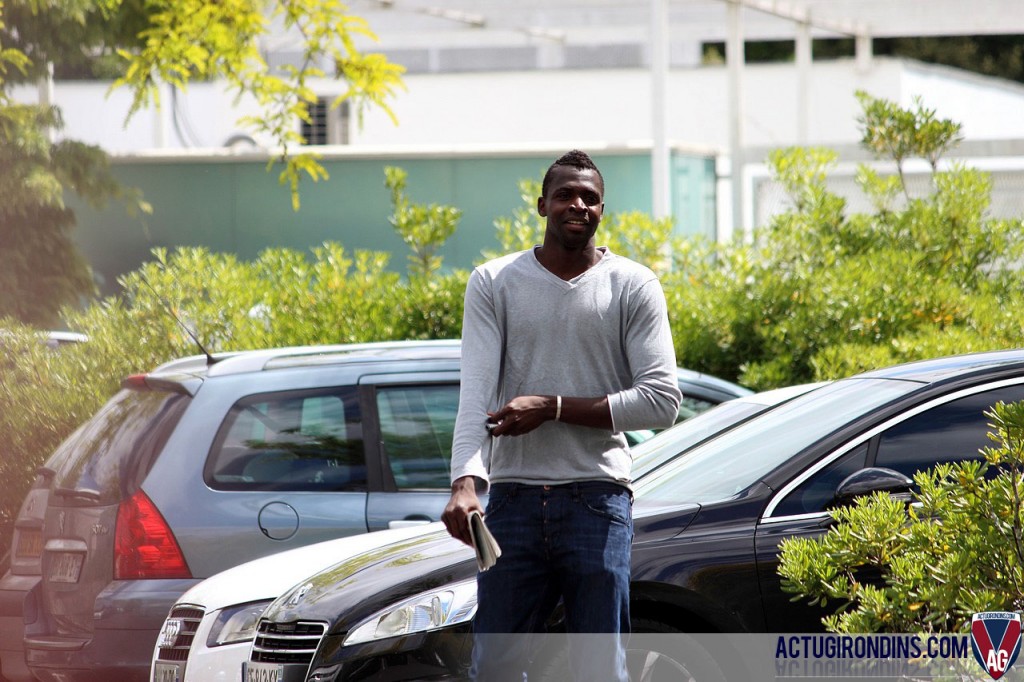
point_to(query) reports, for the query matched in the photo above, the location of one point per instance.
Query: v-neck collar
(606, 256)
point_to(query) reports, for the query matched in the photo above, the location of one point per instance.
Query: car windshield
(651, 454)
(722, 467)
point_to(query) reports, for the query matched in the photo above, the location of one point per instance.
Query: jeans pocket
(614, 506)
(497, 498)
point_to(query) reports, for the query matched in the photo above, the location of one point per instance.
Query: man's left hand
(522, 415)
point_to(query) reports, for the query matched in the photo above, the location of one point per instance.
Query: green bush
(524, 228)
(956, 552)
(821, 292)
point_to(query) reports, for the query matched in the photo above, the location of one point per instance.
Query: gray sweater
(603, 333)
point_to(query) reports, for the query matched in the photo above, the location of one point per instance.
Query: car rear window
(106, 459)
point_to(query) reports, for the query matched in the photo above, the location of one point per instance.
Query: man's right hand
(462, 502)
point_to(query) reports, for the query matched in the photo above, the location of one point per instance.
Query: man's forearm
(524, 414)
(592, 412)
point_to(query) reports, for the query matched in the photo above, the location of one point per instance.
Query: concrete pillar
(804, 57)
(734, 60)
(661, 202)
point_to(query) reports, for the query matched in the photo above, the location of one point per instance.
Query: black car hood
(351, 590)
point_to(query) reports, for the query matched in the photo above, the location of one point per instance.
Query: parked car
(20, 562)
(56, 339)
(207, 633)
(52, 339)
(707, 532)
(196, 467)
(19, 585)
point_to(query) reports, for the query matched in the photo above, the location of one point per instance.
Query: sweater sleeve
(480, 372)
(653, 399)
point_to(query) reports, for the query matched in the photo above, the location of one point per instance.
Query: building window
(327, 125)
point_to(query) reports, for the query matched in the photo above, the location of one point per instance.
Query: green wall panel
(238, 206)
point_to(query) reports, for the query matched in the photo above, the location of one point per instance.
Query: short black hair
(576, 159)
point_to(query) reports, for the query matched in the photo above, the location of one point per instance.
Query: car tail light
(144, 546)
(28, 526)
(28, 543)
(135, 381)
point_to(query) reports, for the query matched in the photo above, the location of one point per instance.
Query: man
(564, 347)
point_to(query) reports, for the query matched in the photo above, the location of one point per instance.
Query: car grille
(287, 642)
(178, 634)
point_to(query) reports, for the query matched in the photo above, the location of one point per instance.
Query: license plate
(66, 567)
(165, 672)
(263, 672)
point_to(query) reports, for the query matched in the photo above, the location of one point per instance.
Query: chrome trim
(180, 627)
(283, 642)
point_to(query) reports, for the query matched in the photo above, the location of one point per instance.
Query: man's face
(573, 206)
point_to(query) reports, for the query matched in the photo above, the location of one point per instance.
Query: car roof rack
(299, 356)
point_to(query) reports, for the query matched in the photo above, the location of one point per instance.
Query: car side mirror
(870, 480)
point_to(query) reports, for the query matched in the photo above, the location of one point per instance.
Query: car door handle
(408, 523)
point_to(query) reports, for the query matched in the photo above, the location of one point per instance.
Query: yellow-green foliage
(524, 228)
(186, 40)
(424, 228)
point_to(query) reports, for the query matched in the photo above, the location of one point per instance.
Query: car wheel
(656, 652)
(673, 656)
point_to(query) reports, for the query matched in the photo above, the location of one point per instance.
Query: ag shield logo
(995, 639)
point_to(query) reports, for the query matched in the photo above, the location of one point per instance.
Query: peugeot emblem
(299, 594)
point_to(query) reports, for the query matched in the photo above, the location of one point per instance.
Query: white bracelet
(558, 407)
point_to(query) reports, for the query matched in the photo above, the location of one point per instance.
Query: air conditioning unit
(327, 125)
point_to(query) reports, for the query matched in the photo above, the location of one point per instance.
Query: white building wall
(93, 113)
(609, 107)
(613, 105)
(987, 108)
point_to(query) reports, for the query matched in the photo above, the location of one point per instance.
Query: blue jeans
(568, 542)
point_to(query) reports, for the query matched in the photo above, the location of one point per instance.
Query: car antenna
(210, 360)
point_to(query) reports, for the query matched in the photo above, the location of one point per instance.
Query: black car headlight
(448, 605)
